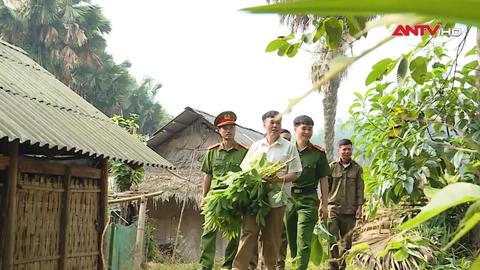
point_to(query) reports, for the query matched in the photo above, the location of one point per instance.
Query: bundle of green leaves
(241, 193)
(321, 241)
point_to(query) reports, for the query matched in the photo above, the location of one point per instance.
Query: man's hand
(323, 211)
(272, 179)
(359, 213)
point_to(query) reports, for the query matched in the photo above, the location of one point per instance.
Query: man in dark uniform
(220, 159)
(345, 201)
(301, 219)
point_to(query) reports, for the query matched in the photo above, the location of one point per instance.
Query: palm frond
(75, 35)
(48, 35)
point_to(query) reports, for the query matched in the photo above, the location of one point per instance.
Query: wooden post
(178, 230)
(103, 211)
(65, 219)
(111, 244)
(194, 153)
(137, 261)
(12, 181)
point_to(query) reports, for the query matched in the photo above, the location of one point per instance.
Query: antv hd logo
(425, 29)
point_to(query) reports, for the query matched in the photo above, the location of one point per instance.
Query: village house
(184, 142)
(54, 153)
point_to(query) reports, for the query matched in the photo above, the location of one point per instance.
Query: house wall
(178, 150)
(57, 205)
(165, 217)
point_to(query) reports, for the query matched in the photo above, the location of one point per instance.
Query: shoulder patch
(213, 146)
(243, 146)
(318, 147)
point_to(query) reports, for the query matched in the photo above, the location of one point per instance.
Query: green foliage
(321, 241)
(451, 195)
(124, 175)
(129, 124)
(418, 69)
(421, 135)
(380, 70)
(66, 38)
(415, 135)
(242, 192)
(151, 244)
(329, 30)
(464, 11)
(334, 31)
(426, 252)
(400, 252)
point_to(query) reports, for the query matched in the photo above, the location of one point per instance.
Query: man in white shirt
(277, 150)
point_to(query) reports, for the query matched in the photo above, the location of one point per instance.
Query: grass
(196, 266)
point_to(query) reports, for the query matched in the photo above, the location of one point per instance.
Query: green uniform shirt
(346, 188)
(218, 161)
(314, 166)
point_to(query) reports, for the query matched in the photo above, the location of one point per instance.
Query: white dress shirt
(279, 151)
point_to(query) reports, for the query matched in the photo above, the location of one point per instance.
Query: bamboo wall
(57, 213)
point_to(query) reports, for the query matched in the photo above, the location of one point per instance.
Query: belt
(297, 190)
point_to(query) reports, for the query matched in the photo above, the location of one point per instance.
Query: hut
(184, 141)
(54, 152)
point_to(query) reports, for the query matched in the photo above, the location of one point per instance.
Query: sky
(211, 56)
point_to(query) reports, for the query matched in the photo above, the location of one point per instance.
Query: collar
(235, 146)
(308, 147)
(279, 141)
(345, 165)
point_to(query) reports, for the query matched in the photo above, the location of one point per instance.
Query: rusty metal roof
(36, 108)
(243, 135)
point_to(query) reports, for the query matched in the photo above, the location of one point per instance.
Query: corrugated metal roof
(243, 135)
(37, 108)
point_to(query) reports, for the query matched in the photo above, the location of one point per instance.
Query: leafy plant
(124, 175)
(242, 192)
(394, 252)
(417, 135)
(321, 241)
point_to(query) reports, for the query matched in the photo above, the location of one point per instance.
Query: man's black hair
(270, 114)
(344, 142)
(285, 131)
(303, 120)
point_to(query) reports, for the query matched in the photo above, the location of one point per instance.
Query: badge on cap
(225, 118)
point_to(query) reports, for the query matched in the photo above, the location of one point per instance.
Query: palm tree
(323, 57)
(320, 66)
(107, 87)
(142, 102)
(59, 35)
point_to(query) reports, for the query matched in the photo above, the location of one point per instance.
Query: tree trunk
(329, 114)
(321, 66)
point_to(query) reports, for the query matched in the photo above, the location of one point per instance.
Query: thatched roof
(244, 135)
(184, 141)
(174, 187)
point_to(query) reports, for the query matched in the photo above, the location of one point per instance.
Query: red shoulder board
(214, 146)
(318, 147)
(243, 145)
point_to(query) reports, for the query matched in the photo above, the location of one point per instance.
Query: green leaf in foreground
(449, 196)
(464, 11)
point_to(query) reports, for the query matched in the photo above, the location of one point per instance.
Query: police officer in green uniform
(301, 219)
(220, 159)
(345, 202)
